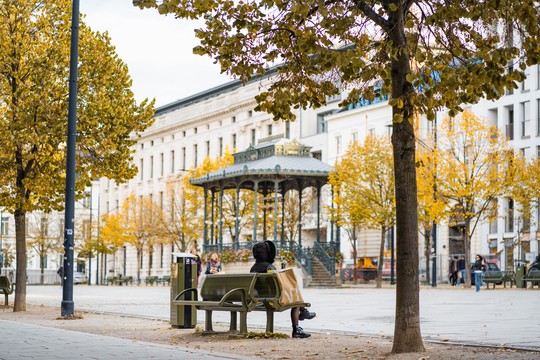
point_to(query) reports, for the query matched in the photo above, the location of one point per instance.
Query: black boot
(306, 314)
(298, 332)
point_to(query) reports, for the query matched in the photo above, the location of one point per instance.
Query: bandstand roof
(288, 162)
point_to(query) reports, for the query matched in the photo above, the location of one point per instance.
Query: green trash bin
(183, 276)
(520, 274)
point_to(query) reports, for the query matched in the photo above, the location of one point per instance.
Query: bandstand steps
(320, 277)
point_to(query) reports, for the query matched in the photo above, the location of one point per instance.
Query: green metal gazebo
(268, 169)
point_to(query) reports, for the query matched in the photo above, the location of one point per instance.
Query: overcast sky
(156, 48)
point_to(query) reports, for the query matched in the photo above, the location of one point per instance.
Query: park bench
(533, 277)
(151, 280)
(123, 280)
(497, 277)
(164, 280)
(6, 287)
(237, 293)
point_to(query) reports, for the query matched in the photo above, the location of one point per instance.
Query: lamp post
(434, 230)
(67, 306)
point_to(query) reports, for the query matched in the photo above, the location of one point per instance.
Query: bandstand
(269, 170)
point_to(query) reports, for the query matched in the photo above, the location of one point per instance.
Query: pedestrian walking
(479, 267)
(461, 270)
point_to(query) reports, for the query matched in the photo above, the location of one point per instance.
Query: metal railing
(302, 255)
(321, 252)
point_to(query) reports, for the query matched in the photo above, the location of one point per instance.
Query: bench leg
(208, 322)
(233, 326)
(269, 321)
(243, 322)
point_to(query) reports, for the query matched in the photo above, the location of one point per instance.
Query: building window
(250, 113)
(526, 84)
(220, 141)
(195, 130)
(151, 167)
(321, 123)
(183, 158)
(141, 169)
(195, 155)
(355, 136)
(233, 119)
(509, 218)
(184, 133)
(142, 146)
(510, 69)
(270, 130)
(253, 136)
(317, 155)
(510, 123)
(172, 162)
(538, 117)
(538, 76)
(525, 119)
(162, 164)
(338, 144)
(287, 129)
(234, 141)
(86, 200)
(208, 148)
(5, 225)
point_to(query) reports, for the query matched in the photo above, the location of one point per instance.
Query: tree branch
(371, 14)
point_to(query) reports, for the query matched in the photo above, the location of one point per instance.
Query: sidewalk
(24, 341)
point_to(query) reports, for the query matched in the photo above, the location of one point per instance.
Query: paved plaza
(37, 342)
(508, 317)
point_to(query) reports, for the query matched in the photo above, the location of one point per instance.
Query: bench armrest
(243, 295)
(193, 290)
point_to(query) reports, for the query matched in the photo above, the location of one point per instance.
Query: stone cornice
(200, 120)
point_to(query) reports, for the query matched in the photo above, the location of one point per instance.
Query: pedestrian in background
(60, 273)
(454, 271)
(197, 261)
(479, 267)
(214, 265)
(461, 270)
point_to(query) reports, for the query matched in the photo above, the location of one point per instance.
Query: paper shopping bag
(290, 291)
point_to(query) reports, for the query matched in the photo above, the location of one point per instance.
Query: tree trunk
(467, 245)
(381, 258)
(355, 259)
(41, 269)
(407, 334)
(427, 247)
(139, 260)
(20, 246)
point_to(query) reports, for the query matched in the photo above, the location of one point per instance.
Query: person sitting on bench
(264, 254)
